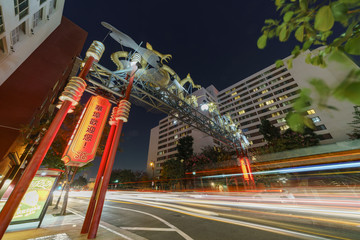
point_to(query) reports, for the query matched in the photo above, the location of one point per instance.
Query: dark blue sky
(213, 41)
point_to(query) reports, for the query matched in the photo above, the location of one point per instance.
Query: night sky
(214, 41)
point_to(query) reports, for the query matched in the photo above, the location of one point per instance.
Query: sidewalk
(63, 228)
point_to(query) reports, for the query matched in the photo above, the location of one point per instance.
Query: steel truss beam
(157, 98)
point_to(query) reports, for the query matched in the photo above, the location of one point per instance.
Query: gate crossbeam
(161, 99)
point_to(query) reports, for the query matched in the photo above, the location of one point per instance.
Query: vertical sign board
(85, 139)
(33, 202)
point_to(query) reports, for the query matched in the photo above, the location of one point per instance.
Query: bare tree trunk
(67, 186)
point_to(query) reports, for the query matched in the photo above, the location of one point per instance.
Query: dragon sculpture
(162, 76)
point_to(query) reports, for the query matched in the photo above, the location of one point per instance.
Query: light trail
(320, 167)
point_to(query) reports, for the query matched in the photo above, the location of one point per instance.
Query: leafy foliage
(217, 154)
(269, 131)
(185, 148)
(313, 22)
(173, 170)
(196, 162)
(122, 176)
(288, 140)
(356, 124)
(79, 182)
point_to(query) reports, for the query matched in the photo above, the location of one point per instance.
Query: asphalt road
(215, 216)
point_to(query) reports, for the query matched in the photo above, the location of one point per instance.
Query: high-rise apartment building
(267, 94)
(38, 49)
(165, 136)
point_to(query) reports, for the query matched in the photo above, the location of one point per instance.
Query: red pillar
(108, 169)
(19, 191)
(90, 210)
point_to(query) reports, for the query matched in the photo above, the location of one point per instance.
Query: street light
(152, 166)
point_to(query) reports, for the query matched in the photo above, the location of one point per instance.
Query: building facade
(164, 137)
(38, 52)
(267, 94)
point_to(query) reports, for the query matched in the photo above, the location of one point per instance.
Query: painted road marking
(106, 228)
(184, 235)
(149, 229)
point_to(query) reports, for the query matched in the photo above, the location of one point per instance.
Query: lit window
(234, 93)
(176, 136)
(2, 29)
(283, 128)
(280, 120)
(283, 97)
(237, 97)
(260, 99)
(264, 91)
(227, 92)
(241, 112)
(311, 111)
(275, 114)
(21, 8)
(261, 104)
(315, 119)
(269, 102)
(255, 89)
(272, 108)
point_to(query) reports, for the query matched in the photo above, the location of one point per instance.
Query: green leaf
(324, 19)
(288, 16)
(271, 33)
(325, 35)
(295, 121)
(309, 123)
(289, 63)
(302, 102)
(284, 34)
(279, 63)
(339, 11)
(299, 33)
(352, 92)
(261, 43)
(352, 46)
(320, 86)
(303, 5)
(307, 44)
(296, 51)
(270, 21)
(308, 58)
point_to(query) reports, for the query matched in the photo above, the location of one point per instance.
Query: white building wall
(16, 54)
(337, 122)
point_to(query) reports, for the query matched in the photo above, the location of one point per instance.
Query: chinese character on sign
(87, 137)
(93, 122)
(98, 108)
(90, 129)
(96, 114)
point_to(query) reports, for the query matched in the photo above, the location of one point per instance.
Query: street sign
(85, 139)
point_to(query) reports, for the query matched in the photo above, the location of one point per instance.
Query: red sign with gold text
(85, 139)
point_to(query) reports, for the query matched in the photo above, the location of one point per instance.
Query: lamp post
(152, 166)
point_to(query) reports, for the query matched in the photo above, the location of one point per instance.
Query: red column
(109, 165)
(90, 210)
(19, 191)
